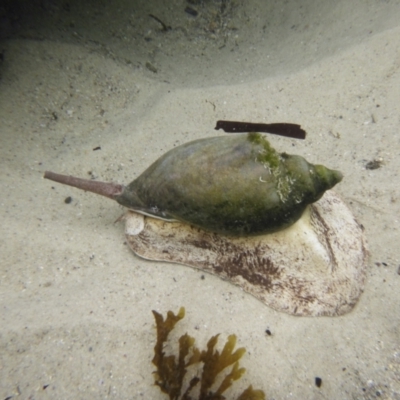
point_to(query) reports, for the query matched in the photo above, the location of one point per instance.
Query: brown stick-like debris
(282, 129)
(107, 189)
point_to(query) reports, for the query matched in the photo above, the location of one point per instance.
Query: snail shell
(233, 185)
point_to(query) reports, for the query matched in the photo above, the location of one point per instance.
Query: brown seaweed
(281, 128)
(172, 369)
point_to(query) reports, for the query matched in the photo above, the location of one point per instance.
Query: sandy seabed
(101, 90)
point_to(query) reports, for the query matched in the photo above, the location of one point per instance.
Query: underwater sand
(76, 304)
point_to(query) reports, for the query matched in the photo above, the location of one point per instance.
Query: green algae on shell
(234, 185)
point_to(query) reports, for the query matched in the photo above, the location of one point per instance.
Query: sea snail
(235, 185)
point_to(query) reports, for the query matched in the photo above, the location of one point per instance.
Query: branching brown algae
(172, 369)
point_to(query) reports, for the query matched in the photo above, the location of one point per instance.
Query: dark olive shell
(235, 185)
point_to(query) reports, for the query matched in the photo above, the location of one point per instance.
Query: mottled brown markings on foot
(300, 291)
(253, 266)
(145, 238)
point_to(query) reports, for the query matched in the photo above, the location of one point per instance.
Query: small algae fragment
(171, 369)
(266, 153)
